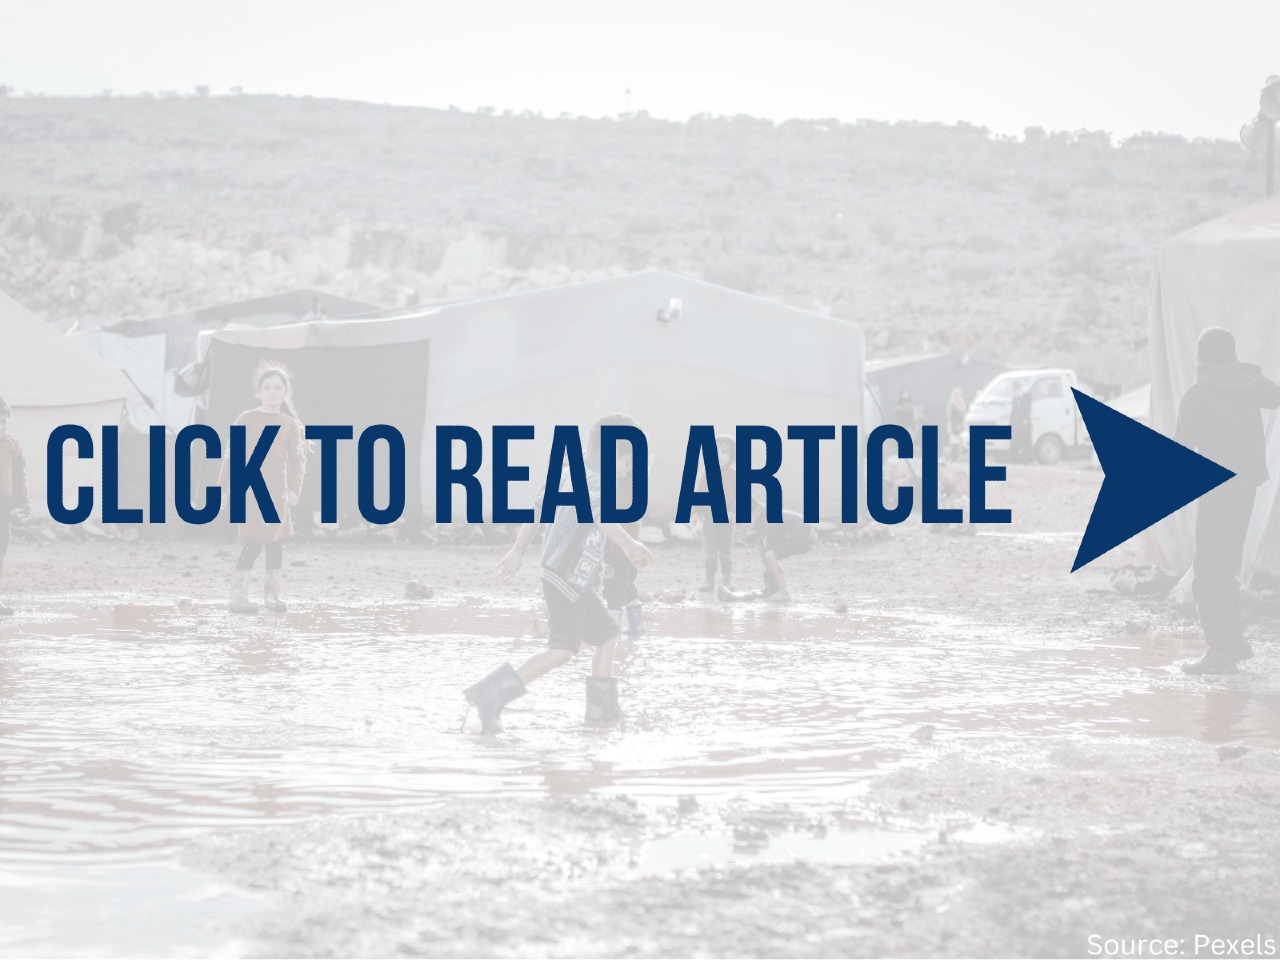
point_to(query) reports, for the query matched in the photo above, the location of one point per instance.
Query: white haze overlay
(1187, 68)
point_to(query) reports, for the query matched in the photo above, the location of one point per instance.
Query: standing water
(129, 732)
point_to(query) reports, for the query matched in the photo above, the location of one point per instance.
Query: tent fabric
(49, 381)
(1223, 273)
(566, 355)
(32, 426)
(39, 367)
(930, 378)
(182, 331)
(1136, 404)
(143, 359)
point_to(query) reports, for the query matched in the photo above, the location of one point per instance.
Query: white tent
(566, 355)
(49, 381)
(1136, 404)
(1223, 273)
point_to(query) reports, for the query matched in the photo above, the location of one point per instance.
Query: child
(717, 538)
(790, 538)
(14, 498)
(619, 588)
(283, 470)
(572, 553)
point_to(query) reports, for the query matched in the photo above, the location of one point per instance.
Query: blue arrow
(1146, 477)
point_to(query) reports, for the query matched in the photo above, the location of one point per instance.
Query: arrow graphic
(1146, 477)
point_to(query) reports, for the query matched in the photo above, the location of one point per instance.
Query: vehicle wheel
(1050, 449)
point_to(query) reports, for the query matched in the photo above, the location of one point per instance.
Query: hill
(1032, 249)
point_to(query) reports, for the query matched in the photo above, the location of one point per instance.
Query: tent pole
(1271, 158)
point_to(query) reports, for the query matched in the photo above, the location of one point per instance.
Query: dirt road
(978, 754)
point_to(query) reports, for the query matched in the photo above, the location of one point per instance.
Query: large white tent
(1223, 273)
(49, 380)
(566, 355)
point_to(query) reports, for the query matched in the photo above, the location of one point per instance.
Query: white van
(1056, 426)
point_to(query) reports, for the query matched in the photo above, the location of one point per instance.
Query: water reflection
(128, 730)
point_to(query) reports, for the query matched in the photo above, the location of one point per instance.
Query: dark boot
(726, 573)
(271, 591)
(771, 585)
(239, 602)
(602, 701)
(709, 581)
(493, 693)
(1240, 649)
(635, 622)
(1216, 662)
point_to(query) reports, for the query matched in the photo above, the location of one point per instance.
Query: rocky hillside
(1029, 250)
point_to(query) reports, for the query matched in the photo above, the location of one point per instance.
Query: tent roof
(1258, 221)
(39, 367)
(557, 331)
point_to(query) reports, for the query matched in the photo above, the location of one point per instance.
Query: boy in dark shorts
(572, 554)
(14, 497)
(790, 538)
(619, 589)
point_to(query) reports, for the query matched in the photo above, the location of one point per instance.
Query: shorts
(792, 546)
(619, 578)
(570, 623)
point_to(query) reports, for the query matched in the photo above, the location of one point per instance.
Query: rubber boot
(602, 700)
(271, 593)
(771, 585)
(1214, 663)
(493, 693)
(1240, 649)
(709, 582)
(239, 602)
(635, 622)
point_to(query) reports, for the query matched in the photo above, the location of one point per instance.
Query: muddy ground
(1013, 840)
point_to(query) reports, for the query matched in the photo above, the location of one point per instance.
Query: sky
(1179, 66)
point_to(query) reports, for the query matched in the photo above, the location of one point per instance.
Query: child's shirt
(572, 551)
(13, 471)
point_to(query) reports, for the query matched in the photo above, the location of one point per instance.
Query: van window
(1046, 387)
(1001, 391)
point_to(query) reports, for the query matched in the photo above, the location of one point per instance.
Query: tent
(1223, 273)
(49, 381)
(930, 378)
(669, 350)
(182, 330)
(1136, 404)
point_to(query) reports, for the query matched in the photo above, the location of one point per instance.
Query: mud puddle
(128, 731)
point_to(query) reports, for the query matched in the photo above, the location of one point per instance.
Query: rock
(840, 607)
(539, 627)
(925, 733)
(686, 806)
(420, 589)
(1232, 751)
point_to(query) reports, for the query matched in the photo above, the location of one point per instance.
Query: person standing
(283, 470)
(572, 554)
(717, 538)
(956, 411)
(14, 498)
(1220, 416)
(1020, 423)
